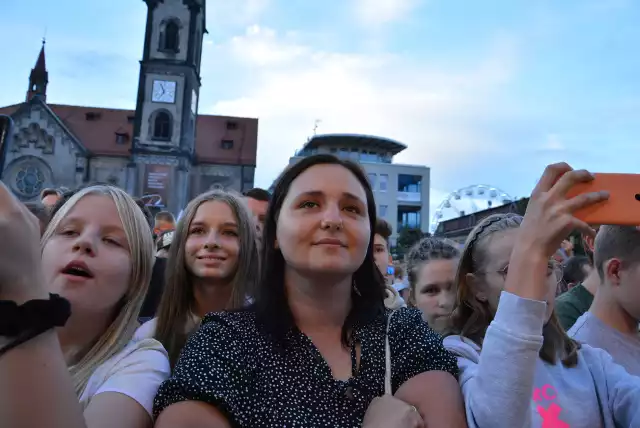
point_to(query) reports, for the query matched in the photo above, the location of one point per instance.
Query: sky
(482, 92)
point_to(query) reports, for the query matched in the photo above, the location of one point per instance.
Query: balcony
(409, 218)
(409, 197)
(409, 188)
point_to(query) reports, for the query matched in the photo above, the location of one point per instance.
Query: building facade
(163, 148)
(401, 191)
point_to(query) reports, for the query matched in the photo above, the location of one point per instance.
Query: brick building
(163, 148)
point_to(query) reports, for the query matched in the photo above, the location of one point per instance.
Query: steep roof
(96, 129)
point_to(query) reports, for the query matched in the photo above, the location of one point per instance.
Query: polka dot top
(231, 365)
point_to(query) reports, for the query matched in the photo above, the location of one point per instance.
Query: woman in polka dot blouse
(310, 352)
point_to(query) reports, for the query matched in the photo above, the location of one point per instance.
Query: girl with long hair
(213, 265)
(311, 350)
(96, 252)
(518, 366)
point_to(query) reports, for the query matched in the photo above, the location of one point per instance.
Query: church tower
(39, 78)
(167, 104)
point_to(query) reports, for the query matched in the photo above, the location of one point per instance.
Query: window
(409, 183)
(409, 218)
(382, 210)
(162, 126)
(170, 36)
(372, 180)
(121, 138)
(227, 144)
(92, 115)
(29, 180)
(131, 119)
(232, 126)
(384, 179)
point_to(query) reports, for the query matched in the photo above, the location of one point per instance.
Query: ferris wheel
(468, 200)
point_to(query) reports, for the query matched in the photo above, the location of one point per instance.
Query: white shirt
(148, 329)
(137, 372)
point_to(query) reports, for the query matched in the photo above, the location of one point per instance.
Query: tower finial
(315, 126)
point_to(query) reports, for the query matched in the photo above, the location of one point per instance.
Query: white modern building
(401, 191)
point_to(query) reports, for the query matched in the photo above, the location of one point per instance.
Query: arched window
(170, 36)
(162, 126)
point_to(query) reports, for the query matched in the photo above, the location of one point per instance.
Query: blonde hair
(177, 298)
(124, 323)
(471, 317)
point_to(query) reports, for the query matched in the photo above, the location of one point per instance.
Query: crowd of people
(281, 310)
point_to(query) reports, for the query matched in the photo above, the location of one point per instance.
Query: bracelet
(24, 322)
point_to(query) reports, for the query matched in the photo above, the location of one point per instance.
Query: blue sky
(482, 92)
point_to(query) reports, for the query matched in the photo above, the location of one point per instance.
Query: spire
(39, 77)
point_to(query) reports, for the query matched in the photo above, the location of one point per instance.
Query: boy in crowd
(381, 245)
(381, 257)
(49, 197)
(400, 283)
(612, 321)
(576, 270)
(164, 221)
(571, 305)
(258, 201)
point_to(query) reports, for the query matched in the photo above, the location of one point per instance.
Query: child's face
(434, 291)
(381, 253)
(494, 275)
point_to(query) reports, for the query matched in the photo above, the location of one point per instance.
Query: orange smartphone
(623, 206)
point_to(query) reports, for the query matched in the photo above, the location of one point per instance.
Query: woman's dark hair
(272, 308)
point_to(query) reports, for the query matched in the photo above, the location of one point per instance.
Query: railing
(409, 197)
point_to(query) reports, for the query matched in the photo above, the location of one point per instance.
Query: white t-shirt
(137, 372)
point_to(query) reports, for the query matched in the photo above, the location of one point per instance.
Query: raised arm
(36, 389)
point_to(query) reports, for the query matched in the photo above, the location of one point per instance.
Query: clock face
(164, 91)
(194, 102)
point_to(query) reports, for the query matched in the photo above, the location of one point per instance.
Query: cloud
(226, 13)
(376, 12)
(437, 111)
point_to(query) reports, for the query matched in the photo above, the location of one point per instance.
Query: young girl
(213, 265)
(432, 265)
(311, 351)
(518, 366)
(97, 252)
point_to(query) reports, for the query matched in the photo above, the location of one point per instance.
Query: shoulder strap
(387, 355)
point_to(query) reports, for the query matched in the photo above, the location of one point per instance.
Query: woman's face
(323, 226)
(212, 246)
(499, 250)
(434, 292)
(87, 259)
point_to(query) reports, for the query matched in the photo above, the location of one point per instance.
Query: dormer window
(92, 115)
(227, 144)
(170, 36)
(122, 137)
